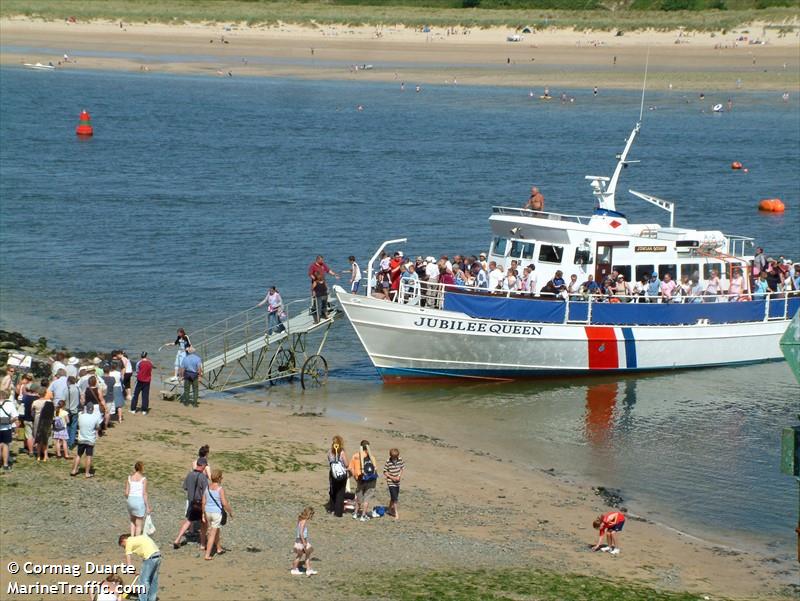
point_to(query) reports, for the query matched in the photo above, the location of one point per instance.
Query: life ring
(614, 299)
(772, 205)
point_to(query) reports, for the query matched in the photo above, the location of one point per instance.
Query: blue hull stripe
(630, 348)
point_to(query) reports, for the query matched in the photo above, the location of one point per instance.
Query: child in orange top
(609, 524)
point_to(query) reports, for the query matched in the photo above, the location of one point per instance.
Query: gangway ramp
(239, 351)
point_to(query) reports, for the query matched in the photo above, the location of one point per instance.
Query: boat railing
(580, 219)
(431, 295)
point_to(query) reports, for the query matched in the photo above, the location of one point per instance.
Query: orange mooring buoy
(736, 165)
(84, 125)
(772, 205)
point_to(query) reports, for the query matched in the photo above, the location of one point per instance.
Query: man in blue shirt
(191, 370)
(590, 286)
(653, 288)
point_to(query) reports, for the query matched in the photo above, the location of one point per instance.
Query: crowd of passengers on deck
(422, 281)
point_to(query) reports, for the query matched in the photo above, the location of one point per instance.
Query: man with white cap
(431, 270)
(72, 367)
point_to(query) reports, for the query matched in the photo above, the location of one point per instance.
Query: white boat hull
(406, 341)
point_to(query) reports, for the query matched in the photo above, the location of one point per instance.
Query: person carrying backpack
(362, 466)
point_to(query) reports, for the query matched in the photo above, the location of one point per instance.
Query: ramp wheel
(315, 372)
(281, 366)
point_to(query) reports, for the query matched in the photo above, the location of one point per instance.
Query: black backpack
(368, 471)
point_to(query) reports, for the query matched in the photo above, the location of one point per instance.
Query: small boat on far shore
(39, 66)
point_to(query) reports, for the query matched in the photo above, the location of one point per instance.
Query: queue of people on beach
(67, 411)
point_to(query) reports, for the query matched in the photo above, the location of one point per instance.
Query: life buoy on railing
(613, 299)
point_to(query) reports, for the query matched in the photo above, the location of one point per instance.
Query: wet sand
(461, 508)
(554, 58)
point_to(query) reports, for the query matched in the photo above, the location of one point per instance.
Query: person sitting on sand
(609, 524)
(110, 589)
(536, 200)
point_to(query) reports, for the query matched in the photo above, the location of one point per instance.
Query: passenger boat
(39, 66)
(429, 330)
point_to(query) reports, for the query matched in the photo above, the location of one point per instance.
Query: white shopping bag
(149, 527)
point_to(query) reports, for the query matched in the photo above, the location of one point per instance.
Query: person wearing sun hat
(72, 367)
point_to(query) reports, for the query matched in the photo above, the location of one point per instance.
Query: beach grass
(511, 584)
(418, 13)
(275, 457)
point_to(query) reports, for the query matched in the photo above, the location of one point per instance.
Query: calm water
(196, 193)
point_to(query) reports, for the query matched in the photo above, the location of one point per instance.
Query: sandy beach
(463, 509)
(551, 57)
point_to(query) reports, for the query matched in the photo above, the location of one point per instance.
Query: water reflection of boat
(435, 330)
(601, 400)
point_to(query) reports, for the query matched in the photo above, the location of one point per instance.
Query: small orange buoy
(772, 205)
(84, 125)
(736, 165)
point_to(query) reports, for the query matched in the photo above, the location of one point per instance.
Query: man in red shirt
(319, 266)
(609, 524)
(144, 375)
(394, 272)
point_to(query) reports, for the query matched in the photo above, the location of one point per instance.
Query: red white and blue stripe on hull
(406, 341)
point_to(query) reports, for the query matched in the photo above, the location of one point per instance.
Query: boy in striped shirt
(393, 470)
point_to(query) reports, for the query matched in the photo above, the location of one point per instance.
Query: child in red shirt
(609, 524)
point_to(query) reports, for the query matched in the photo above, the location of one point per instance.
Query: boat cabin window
(690, 270)
(672, 270)
(521, 250)
(709, 266)
(551, 254)
(499, 246)
(624, 271)
(583, 256)
(644, 270)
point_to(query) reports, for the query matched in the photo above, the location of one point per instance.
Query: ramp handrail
(240, 330)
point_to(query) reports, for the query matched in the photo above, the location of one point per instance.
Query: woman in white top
(138, 501)
(736, 285)
(713, 287)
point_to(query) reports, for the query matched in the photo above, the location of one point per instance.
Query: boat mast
(606, 195)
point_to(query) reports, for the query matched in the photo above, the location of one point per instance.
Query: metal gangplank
(239, 351)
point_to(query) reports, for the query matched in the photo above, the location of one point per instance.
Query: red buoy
(84, 125)
(736, 165)
(772, 205)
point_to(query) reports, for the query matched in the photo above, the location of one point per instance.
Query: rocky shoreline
(39, 351)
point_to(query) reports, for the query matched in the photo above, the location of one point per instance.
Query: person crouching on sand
(302, 546)
(609, 524)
